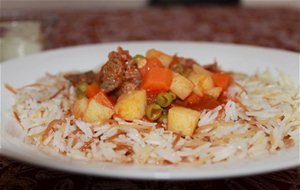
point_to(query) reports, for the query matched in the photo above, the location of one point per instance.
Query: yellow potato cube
(181, 86)
(97, 113)
(206, 82)
(195, 78)
(131, 105)
(80, 107)
(214, 92)
(164, 58)
(200, 70)
(182, 120)
(201, 82)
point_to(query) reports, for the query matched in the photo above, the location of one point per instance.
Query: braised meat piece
(187, 63)
(126, 87)
(111, 75)
(212, 67)
(119, 74)
(88, 77)
(132, 72)
(132, 79)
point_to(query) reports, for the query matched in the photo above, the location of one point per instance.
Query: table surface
(268, 27)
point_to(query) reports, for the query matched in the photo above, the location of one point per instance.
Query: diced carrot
(151, 63)
(222, 80)
(157, 79)
(92, 90)
(193, 99)
(101, 98)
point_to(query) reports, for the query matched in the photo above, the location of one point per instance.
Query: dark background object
(170, 2)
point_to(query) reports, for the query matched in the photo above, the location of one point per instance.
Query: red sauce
(204, 102)
(151, 96)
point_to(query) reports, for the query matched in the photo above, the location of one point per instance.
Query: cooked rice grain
(261, 116)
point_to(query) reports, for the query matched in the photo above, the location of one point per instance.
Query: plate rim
(153, 174)
(147, 175)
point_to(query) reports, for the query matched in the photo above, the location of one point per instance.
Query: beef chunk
(87, 77)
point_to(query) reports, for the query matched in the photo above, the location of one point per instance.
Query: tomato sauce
(204, 102)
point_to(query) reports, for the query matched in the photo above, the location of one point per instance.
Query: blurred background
(95, 4)
(30, 26)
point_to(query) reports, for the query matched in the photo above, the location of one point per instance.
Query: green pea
(138, 56)
(172, 95)
(153, 112)
(140, 60)
(178, 68)
(165, 99)
(80, 89)
(82, 86)
(80, 95)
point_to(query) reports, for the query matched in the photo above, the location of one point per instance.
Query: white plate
(231, 57)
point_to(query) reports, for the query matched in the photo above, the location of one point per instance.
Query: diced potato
(202, 82)
(97, 113)
(214, 92)
(195, 78)
(182, 120)
(200, 70)
(206, 82)
(164, 58)
(80, 107)
(181, 86)
(131, 105)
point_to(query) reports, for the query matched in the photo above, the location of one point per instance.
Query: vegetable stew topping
(148, 87)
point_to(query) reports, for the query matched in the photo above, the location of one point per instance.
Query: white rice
(260, 117)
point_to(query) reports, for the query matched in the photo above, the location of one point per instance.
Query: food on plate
(160, 109)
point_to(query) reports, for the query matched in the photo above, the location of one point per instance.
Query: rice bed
(260, 117)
